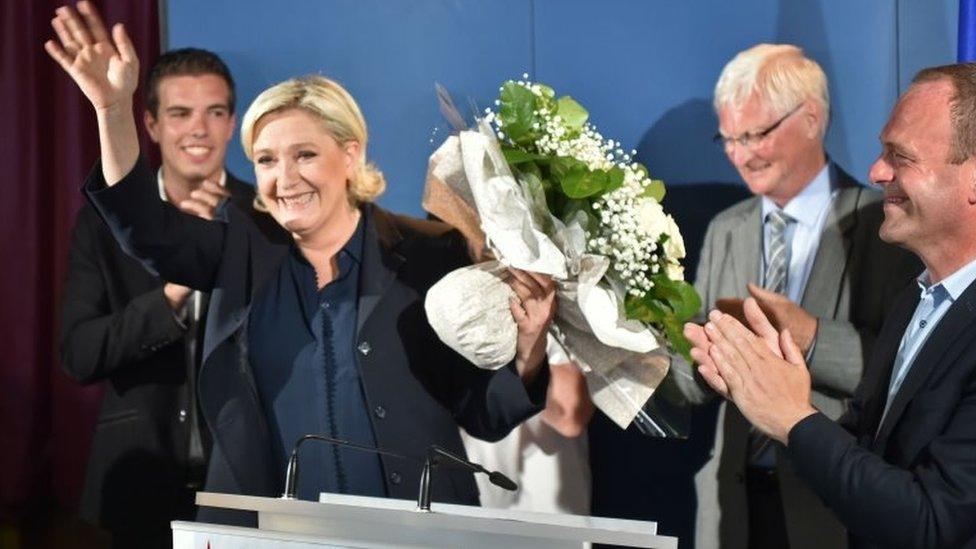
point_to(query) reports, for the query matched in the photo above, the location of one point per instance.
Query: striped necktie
(778, 260)
(777, 268)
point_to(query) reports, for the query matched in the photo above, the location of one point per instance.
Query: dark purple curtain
(50, 143)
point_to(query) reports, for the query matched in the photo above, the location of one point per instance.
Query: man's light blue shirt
(935, 301)
(809, 209)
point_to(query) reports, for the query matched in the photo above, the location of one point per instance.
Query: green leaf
(615, 179)
(560, 165)
(572, 113)
(581, 183)
(517, 112)
(680, 296)
(654, 190)
(574, 208)
(536, 194)
(656, 312)
(528, 167)
(645, 309)
(674, 332)
(515, 156)
(578, 181)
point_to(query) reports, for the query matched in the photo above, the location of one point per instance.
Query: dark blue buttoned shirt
(302, 345)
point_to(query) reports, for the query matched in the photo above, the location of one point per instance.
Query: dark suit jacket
(417, 388)
(914, 484)
(117, 327)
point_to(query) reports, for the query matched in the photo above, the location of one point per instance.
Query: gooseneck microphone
(291, 473)
(436, 456)
(495, 477)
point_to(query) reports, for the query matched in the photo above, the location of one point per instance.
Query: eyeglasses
(751, 140)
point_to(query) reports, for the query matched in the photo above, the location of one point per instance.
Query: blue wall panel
(927, 35)
(855, 44)
(644, 69)
(388, 54)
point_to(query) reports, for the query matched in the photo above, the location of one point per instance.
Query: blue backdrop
(644, 69)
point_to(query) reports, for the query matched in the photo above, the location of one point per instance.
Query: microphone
(495, 477)
(433, 453)
(291, 472)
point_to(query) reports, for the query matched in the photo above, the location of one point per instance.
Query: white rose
(674, 248)
(674, 271)
(651, 218)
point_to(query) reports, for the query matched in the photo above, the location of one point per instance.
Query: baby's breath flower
(629, 232)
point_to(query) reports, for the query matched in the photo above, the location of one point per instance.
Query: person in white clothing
(548, 455)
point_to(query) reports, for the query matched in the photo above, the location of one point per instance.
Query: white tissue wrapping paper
(469, 311)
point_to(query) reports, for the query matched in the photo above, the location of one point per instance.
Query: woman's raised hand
(105, 68)
(107, 71)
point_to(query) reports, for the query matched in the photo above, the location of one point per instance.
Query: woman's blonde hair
(780, 74)
(332, 104)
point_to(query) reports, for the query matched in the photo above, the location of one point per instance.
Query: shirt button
(182, 416)
(923, 323)
(326, 305)
(380, 412)
(395, 478)
(365, 348)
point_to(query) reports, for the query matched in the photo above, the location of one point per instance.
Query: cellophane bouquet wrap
(534, 184)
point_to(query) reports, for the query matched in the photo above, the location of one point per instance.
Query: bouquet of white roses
(537, 185)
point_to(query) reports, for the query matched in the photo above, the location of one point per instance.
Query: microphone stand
(423, 499)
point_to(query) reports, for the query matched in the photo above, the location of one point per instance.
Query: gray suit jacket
(853, 278)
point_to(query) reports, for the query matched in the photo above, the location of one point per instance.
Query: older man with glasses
(806, 247)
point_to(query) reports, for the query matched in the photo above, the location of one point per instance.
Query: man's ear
(152, 126)
(971, 190)
(813, 115)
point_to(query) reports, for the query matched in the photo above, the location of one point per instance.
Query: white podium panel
(375, 523)
(192, 535)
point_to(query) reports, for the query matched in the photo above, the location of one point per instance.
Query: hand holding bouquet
(538, 186)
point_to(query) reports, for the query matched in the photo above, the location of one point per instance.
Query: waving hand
(105, 68)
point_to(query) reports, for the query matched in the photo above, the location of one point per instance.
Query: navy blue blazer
(911, 482)
(418, 390)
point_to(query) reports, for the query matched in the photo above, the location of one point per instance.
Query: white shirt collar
(805, 207)
(162, 187)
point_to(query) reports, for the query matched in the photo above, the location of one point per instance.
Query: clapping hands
(761, 370)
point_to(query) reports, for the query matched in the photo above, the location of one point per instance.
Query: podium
(374, 523)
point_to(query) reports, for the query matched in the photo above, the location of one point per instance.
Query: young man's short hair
(186, 62)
